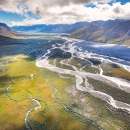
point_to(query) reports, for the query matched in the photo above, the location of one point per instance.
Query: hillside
(110, 32)
(6, 31)
(88, 33)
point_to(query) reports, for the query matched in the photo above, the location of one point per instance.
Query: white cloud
(65, 11)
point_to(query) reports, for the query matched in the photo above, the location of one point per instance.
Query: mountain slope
(6, 31)
(88, 33)
(114, 32)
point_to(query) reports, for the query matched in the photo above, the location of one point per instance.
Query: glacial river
(119, 55)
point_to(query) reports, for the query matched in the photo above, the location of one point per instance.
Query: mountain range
(52, 28)
(110, 31)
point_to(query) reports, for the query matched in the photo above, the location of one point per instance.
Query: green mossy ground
(63, 106)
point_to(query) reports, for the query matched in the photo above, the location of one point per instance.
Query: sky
(31, 12)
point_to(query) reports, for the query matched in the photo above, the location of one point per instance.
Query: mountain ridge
(110, 31)
(51, 28)
(113, 33)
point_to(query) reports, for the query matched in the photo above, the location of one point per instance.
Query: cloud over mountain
(65, 11)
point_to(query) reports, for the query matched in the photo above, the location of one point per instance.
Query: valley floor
(48, 82)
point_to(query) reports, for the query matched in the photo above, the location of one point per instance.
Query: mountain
(88, 33)
(94, 30)
(6, 31)
(108, 23)
(52, 28)
(111, 31)
(119, 33)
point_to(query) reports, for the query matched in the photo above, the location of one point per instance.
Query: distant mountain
(52, 28)
(108, 23)
(6, 31)
(88, 33)
(111, 31)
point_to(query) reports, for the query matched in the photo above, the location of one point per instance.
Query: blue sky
(31, 12)
(123, 1)
(8, 17)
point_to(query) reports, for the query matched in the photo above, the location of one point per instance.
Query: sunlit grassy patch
(17, 101)
(13, 113)
(121, 73)
(22, 67)
(115, 70)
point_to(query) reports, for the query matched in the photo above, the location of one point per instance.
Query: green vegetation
(63, 106)
(91, 69)
(77, 62)
(115, 71)
(116, 93)
(120, 72)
